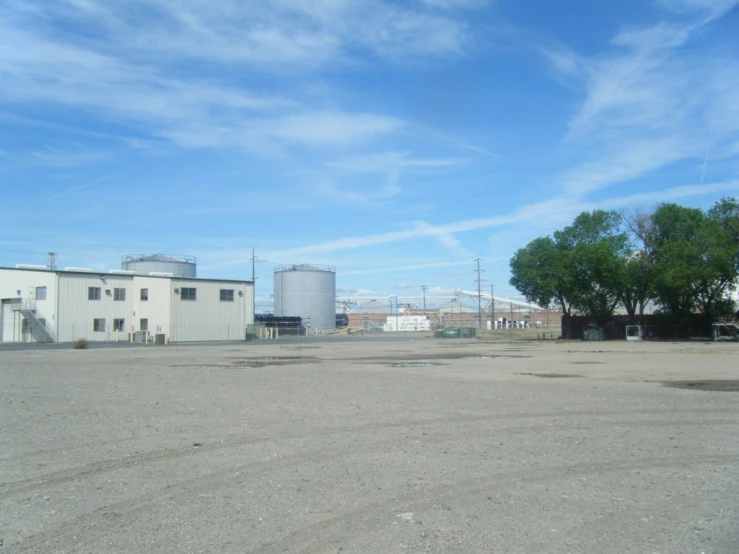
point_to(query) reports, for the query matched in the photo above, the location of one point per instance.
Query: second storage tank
(309, 292)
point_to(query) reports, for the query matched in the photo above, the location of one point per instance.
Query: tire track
(126, 462)
(130, 510)
(677, 506)
(331, 533)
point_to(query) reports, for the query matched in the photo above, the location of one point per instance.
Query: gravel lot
(354, 446)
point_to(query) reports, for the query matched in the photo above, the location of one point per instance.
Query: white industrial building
(406, 323)
(48, 305)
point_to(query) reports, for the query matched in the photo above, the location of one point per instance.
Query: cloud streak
(647, 106)
(135, 64)
(563, 208)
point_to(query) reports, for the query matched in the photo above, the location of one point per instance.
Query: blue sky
(395, 141)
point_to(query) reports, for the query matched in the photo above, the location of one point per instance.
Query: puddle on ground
(477, 356)
(718, 385)
(258, 362)
(272, 358)
(414, 364)
(414, 361)
(263, 361)
(489, 357)
(553, 375)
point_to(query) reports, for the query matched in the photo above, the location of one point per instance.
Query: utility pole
(423, 288)
(511, 310)
(492, 307)
(479, 293)
(253, 285)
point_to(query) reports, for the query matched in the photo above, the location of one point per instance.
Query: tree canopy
(683, 259)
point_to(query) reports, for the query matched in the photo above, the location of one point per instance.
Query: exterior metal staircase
(726, 328)
(36, 325)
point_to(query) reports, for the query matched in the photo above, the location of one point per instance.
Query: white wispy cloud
(445, 239)
(348, 195)
(403, 267)
(77, 188)
(326, 127)
(388, 161)
(457, 4)
(714, 8)
(648, 104)
(555, 210)
(137, 64)
(72, 155)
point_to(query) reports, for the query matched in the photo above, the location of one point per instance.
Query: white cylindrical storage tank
(160, 264)
(309, 292)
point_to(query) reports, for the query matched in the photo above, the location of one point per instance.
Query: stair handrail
(29, 305)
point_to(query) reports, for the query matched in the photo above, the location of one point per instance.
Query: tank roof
(305, 267)
(158, 258)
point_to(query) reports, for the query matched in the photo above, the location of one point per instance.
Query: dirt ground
(368, 445)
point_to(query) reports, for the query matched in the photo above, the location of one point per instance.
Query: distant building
(406, 323)
(47, 305)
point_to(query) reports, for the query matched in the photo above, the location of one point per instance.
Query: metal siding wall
(157, 308)
(249, 304)
(70, 314)
(76, 312)
(8, 323)
(307, 294)
(26, 281)
(207, 318)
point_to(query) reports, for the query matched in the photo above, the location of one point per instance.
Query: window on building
(227, 295)
(118, 324)
(144, 295)
(119, 294)
(144, 324)
(93, 293)
(40, 293)
(98, 325)
(188, 294)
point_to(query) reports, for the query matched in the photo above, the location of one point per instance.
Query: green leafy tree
(636, 282)
(593, 248)
(579, 268)
(539, 271)
(719, 243)
(638, 264)
(696, 257)
(676, 256)
(682, 258)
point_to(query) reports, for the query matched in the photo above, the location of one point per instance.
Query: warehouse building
(42, 304)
